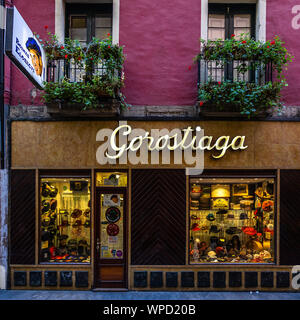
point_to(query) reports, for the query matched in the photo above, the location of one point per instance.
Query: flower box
(109, 108)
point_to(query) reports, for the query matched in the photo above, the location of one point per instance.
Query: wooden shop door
(110, 238)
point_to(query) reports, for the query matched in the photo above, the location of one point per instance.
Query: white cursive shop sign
(138, 146)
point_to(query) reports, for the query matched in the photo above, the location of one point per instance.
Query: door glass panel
(111, 226)
(109, 179)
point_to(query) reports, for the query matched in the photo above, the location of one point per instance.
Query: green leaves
(247, 98)
(246, 49)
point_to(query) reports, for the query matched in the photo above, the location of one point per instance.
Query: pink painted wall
(161, 37)
(279, 22)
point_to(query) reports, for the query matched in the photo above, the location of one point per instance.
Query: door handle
(98, 243)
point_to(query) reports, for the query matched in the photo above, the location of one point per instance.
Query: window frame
(229, 10)
(64, 174)
(91, 11)
(211, 174)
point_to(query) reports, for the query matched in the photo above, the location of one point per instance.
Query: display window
(65, 220)
(231, 220)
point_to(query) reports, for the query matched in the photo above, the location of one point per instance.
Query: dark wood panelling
(22, 217)
(158, 217)
(289, 217)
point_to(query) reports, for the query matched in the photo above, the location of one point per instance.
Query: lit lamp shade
(220, 191)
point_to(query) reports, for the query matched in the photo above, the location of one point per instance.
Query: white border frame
(60, 18)
(261, 16)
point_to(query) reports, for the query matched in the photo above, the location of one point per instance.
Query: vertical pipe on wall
(2, 32)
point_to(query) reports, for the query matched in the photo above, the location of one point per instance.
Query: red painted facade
(161, 38)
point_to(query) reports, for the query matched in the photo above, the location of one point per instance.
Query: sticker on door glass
(111, 200)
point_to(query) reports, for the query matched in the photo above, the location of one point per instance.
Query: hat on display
(76, 213)
(267, 205)
(243, 216)
(210, 217)
(233, 230)
(53, 204)
(195, 227)
(87, 223)
(249, 231)
(53, 192)
(222, 211)
(46, 222)
(45, 206)
(77, 223)
(87, 212)
(230, 216)
(214, 229)
(212, 254)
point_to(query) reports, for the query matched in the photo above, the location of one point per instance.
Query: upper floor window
(85, 22)
(224, 20)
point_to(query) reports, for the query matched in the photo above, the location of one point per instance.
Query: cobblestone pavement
(138, 295)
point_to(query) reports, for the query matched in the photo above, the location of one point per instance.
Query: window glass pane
(78, 28)
(101, 33)
(242, 20)
(111, 179)
(65, 220)
(216, 20)
(78, 22)
(216, 33)
(111, 224)
(246, 32)
(232, 220)
(101, 22)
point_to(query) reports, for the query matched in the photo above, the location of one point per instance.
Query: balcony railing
(234, 71)
(74, 72)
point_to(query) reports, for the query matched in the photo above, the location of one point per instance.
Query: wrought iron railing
(75, 72)
(233, 71)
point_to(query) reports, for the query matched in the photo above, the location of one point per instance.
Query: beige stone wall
(72, 144)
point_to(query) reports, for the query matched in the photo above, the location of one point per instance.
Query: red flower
(233, 35)
(108, 47)
(66, 56)
(62, 47)
(46, 27)
(268, 46)
(201, 103)
(108, 34)
(244, 41)
(273, 42)
(79, 58)
(190, 67)
(219, 82)
(91, 58)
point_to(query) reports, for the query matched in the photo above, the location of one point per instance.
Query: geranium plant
(247, 98)
(90, 89)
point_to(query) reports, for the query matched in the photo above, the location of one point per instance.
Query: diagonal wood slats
(22, 217)
(289, 217)
(158, 217)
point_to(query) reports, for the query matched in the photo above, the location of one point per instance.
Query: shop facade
(72, 220)
(76, 224)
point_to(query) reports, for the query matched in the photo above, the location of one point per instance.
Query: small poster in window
(112, 239)
(111, 200)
